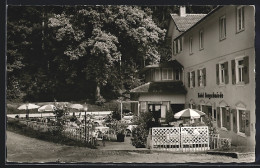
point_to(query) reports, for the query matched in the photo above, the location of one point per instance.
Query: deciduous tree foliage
(108, 40)
(82, 52)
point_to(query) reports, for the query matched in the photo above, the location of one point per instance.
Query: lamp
(227, 108)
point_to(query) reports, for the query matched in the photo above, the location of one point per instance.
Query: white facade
(218, 56)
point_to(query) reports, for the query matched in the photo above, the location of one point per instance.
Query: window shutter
(247, 129)
(204, 76)
(233, 72)
(193, 77)
(228, 120)
(217, 74)
(198, 73)
(234, 112)
(218, 117)
(188, 74)
(226, 72)
(246, 70)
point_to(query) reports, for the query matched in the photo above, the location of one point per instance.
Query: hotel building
(213, 57)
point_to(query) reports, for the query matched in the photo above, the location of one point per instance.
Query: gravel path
(25, 149)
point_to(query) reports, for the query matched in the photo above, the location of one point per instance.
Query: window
(201, 39)
(222, 27)
(240, 74)
(174, 48)
(223, 117)
(167, 74)
(240, 67)
(241, 121)
(179, 45)
(191, 79)
(177, 74)
(222, 73)
(190, 42)
(202, 77)
(214, 115)
(157, 75)
(240, 19)
(155, 109)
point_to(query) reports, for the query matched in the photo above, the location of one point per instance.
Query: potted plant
(120, 131)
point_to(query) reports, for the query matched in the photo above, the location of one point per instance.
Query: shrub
(140, 133)
(169, 117)
(226, 144)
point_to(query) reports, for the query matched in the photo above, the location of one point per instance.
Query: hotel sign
(210, 95)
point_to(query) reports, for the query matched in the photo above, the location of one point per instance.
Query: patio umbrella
(28, 107)
(48, 107)
(189, 113)
(77, 106)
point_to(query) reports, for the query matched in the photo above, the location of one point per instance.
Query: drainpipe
(182, 76)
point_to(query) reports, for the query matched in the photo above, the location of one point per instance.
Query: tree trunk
(97, 94)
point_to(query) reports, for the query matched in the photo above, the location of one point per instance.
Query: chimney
(182, 11)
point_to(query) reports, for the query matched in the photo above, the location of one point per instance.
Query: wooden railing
(183, 139)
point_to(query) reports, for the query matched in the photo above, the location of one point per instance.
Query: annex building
(212, 69)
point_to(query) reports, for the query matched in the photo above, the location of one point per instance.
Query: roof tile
(184, 23)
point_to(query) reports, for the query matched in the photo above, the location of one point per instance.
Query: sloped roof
(184, 23)
(175, 87)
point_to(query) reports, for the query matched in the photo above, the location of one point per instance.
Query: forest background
(90, 53)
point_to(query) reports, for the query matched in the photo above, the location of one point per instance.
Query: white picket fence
(182, 139)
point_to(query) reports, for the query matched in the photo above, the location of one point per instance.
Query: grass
(14, 125)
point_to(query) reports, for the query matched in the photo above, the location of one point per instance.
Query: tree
(79, 52)
(104, 38)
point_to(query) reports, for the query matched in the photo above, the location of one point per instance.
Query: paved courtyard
(25, 149)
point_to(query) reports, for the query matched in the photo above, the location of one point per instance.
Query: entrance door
(155, 109)
(209, 111)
